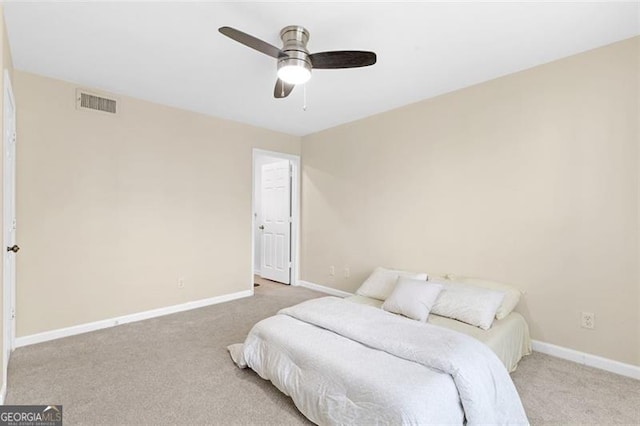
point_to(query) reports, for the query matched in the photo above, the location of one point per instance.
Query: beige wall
(113, 210)
(530, 179)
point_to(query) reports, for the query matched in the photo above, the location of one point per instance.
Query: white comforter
(344, 363)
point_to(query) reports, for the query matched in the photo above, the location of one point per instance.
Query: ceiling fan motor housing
(294, 39)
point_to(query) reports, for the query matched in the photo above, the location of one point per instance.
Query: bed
(508, 338)
(346, 361)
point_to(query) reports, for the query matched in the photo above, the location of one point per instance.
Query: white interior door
(9, 220)
(275, 227)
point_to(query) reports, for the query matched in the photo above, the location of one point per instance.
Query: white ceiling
(171, 52)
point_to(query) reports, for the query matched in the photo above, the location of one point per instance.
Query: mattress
(508, 338)
(345, 363)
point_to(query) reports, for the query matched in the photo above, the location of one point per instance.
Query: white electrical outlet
(180, 282)
(332, 271)
(588, 320)
(347, 272)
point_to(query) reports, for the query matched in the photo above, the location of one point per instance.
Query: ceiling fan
(294, 60)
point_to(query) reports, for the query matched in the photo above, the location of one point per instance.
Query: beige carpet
(175, 369)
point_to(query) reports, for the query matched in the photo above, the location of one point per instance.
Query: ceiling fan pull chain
(304, 96)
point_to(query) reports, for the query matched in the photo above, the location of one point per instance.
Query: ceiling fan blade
(282, 89)
(252, 42)
(342, 59)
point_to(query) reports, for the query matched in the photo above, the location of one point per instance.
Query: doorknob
(14, 249)
(261, 227)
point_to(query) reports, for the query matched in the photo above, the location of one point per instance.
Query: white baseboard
(595, 361)
(3, 393)
(324, 289)
(125, 319)
(590, 360)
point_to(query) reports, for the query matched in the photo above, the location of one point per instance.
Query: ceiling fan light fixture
(294, 69)
(294, 74)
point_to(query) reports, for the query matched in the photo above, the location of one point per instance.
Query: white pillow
(381, 282)
(511, 297)
(412, 298)
(473, 305)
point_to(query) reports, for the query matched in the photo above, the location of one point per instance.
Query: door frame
(295, 209)
(8, 288)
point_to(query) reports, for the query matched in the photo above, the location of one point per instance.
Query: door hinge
(13, 313)
(290, 265)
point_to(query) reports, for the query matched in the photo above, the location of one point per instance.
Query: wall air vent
(90, 101)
